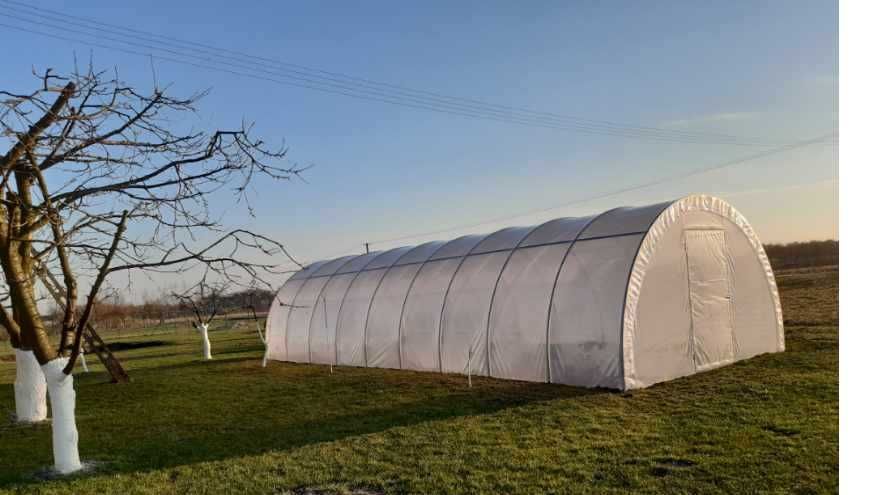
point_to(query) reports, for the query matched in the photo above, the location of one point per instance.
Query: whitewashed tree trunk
(65, 438)
(30, 389)
(83, 362)
(203, 328)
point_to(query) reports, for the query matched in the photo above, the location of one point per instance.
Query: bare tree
(204, 305)
(251, 305)
(99, 179)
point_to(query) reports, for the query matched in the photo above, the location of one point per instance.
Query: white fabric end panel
(422, 315)
(382, 345)
(587, 310)
(278, 316)
(464, 325)
(709, 287)
(657, 327)
(297, 328)
(661, 343)
(755, 325)
(323, 323)
(351, 321)
(518, 323)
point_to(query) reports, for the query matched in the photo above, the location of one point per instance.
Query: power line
(151, 37)
(711, 168)
(246, 58)
(355, 89)
(341, 89)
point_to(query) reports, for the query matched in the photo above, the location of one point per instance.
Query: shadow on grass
(139, 344)
(190, 412)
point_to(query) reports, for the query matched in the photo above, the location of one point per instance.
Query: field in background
(769, 424)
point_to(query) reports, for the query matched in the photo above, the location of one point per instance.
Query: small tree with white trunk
(98, 179)
(204, 307)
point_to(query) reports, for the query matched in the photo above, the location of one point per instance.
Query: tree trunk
(65, 438)
(83, 362)
(30, 388)
(203, 328)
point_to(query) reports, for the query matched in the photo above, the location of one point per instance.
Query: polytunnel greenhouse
(623, 299)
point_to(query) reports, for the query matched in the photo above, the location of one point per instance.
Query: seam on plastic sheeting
(669, 216)
(554, 287)
(341, 309)
(444, 301)
(318, 296)
(401, 316)
(496, 288)
(316, 266)
(371, 303)
(368, 315)
(289, 316)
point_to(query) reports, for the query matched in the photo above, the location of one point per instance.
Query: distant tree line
(803, 254)
(114, 314)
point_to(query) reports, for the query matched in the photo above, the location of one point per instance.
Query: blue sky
(764, 70)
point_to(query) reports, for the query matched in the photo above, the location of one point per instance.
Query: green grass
(766, 425)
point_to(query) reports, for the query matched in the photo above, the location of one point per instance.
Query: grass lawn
(769, 424)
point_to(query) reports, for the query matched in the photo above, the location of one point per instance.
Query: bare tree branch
(84, 148)
(92, 296)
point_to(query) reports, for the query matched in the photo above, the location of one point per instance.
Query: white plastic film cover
(624, 221)
(332, 266)
(298, 323)
(278, 315)
(464, 324)
(321, 340)
(353, 315)
(389, 258)
(309, 270)
(357, 264)
(422, 315)
(460, 246)
(518, 350)
(325, 318)
(382, 344)
(504, 239)
(421, 253)
(586, 312)
(559, 230)
(613, 309)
